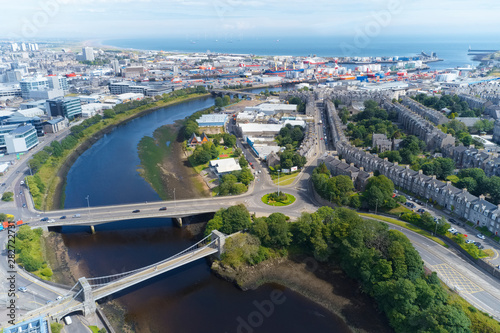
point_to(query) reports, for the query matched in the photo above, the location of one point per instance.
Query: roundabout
(278, 199)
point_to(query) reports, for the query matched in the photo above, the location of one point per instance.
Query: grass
(405, 225)
(34, 246)
(200, 167)
(480, 321)
(152, 152)
(48, 172)
(290, 200)
(399, 210)
(94, 329)
(286, 179)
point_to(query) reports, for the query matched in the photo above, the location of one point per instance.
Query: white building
(21, 139)
(88, 54)
(224, 166)
(271, 108)
(212, 120)
(91, 109)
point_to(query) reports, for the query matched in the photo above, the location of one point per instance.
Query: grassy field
(152, 152)
(200, 167)
(406, 226)
(398, 210)
(285, 179)
(49, 171)
(290, 200)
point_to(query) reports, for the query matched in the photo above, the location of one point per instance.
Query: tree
(494, 188)
(226, 100)
(260, 229)
(218, 102)
(57, 149)
(243, 161)
(245, 176)
(7, 196)
(468, 182)
(297, 134)
(235, 218)
(109, 114)
(279, 236)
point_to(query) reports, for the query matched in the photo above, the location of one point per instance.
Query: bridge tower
(220, 240)
(89, 306)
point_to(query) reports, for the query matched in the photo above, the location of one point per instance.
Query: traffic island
(278, 199)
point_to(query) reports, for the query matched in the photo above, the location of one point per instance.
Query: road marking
(496, 254)
(459, 281)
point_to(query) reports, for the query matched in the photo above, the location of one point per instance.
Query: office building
(4, 130)
(21, 139)
(68, 107)
(58, 82)
(33, 84)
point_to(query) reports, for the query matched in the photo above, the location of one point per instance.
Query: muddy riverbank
(324, 284)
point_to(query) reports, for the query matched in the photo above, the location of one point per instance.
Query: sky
(104, 19)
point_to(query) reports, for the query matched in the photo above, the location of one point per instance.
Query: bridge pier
(220, 241)
(177, 221)
(89, 306)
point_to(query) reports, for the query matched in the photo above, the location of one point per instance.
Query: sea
(453, 50)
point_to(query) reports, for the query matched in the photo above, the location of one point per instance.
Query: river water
(188, 299)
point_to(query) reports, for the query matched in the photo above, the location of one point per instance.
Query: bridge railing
(98, 282)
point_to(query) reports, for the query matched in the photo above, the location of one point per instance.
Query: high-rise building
(88, 53)
(14, 47)
(68, 107)
(23, 46)
(58, 82)
(21, 139)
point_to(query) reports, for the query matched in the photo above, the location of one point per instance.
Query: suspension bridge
(84, 294)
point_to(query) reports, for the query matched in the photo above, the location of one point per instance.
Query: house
(197, 140)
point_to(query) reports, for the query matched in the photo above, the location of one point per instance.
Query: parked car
(163, 208)
(479, 245)
(136, 211)
(452, 220)
(480, 236)
(469, 241)
(421, 210)
(452, 230)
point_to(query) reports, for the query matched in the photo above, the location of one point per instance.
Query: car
(421, 210)
(469, 241)
(456, 233)
(479, 245)
(24, 205)
(480, 236)
(163, 208)
(22, 182)
(63, 217)
(59, 298)
(452, 221)
(22, 289)
(136, 211)
(51, 221)
(76, 215)
(43, 219)
(48, 302)
(21, 192)
(452, 230)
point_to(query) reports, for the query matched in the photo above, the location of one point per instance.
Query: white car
(51, 221)
(452, 230)
(480, 236)
(469, 241)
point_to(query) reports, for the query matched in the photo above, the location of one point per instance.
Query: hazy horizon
(219, 19)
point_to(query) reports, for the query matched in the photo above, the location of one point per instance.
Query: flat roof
(22, 129)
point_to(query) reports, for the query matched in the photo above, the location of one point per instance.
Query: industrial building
(224, 166)
(212, 120)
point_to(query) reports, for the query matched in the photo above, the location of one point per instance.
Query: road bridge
(222, 92)
(84, 294)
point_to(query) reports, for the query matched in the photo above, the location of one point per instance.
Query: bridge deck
(151, 272)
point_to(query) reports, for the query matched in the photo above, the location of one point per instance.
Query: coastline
(324, 284)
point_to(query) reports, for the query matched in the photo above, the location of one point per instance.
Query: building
(38, 325)
(33, 84)
(21, 120)
(21, 139)
(55, 125)
(69, 107)
(197, 140)
(88, 54)
(212, 120)
(224, 166)
(58, 82)
(133, 71)
(271, 109)
(4, 130)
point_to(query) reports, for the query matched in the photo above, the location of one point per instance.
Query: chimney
(395, 163)
(471, 146)
(351, 164)
(448, 182)
(407, 166)
(481, 197)
(433, 176)
(361, 169)
(498, 206)
(420, 172)
(342, 160)
(464, 190)
(386, 159)
(371, 175)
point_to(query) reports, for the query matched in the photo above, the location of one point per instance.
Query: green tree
(218, 102)
(243, 161)
(226, 100)
(7, 196)
(246, 176)
(260, 229)
(235, 218)
(279, 235)
(109, 114)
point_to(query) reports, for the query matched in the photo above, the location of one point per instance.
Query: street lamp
(279, 182)
(88, 203)
(376, 206)
(435, 229)
(175, 204)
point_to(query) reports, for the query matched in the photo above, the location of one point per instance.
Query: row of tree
(290, 135)
(476, 182)
(384, 262)
(453, 103)
(235, 183)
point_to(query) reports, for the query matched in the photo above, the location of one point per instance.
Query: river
(189, 299)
